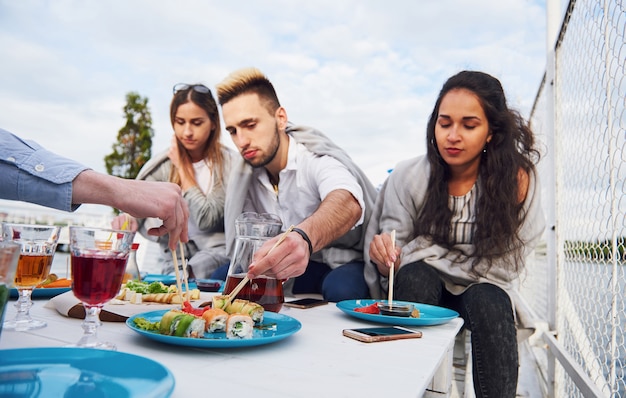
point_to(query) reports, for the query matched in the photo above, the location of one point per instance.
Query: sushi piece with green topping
(181, 324)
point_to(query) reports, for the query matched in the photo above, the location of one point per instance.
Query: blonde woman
(199, 163)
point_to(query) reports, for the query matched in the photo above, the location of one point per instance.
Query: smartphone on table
(383, 333)
(305, 303)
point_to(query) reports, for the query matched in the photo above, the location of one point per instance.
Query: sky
(364, 72)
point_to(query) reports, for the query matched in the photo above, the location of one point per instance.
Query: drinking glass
(98, 258)
(37, 246)
(9, 254)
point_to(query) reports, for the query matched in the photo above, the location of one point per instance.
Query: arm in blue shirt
(30, 173)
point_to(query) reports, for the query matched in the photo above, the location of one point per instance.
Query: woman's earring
(485, 149)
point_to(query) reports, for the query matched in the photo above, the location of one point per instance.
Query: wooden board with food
(137, 292)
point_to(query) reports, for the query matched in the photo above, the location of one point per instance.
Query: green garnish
(144, 324)
(145, 288)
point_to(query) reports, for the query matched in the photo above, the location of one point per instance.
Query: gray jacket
(206, 251)
(397, 207)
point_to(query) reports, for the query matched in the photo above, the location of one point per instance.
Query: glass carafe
(253, 230)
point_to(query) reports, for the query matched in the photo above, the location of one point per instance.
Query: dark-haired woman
(199, 163)
(466, 215)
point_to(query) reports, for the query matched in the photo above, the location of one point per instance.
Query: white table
(317, 361)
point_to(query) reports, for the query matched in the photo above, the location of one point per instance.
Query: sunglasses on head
(199, 88)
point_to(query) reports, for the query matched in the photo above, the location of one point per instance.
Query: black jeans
(346, 282)
(488, 314)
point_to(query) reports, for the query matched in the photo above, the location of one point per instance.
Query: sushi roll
(239, 326)
(256, 311)
(220, 301)
(215, 320)
(167, 320)
(236, 307)
(246, 307)
(181, 324)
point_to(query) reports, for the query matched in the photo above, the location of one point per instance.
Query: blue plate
(164, 279)
(429, 314)
(275, 327)
(81, 372)
(43, 292)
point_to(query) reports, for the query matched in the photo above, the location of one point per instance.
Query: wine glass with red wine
(98, 258)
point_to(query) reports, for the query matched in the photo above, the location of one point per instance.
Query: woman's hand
(173, 153)
(186, 180)
(384, 253)
(125, 222)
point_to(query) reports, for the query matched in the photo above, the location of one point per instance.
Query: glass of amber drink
(37, 246)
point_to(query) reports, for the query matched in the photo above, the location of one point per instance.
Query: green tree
(134, 141)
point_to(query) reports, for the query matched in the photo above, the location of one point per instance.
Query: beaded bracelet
(306, 239)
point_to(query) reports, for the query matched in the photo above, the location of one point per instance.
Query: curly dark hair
(499, 213)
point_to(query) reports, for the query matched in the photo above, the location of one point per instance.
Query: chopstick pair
(177, 272)
(237, 289)
(391, 270)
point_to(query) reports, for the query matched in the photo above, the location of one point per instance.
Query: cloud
(364, 72)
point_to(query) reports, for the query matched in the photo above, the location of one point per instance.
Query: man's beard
(273, 150)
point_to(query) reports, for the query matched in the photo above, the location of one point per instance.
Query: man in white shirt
(303, 177)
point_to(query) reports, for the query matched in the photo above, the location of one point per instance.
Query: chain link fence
(580, 117)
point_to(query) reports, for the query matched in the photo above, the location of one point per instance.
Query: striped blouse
(463, 216)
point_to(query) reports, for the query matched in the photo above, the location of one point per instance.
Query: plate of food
(52, 286)
(79, 372)
(178, 328)
(425, 315)
(137, 292)
(42, 292)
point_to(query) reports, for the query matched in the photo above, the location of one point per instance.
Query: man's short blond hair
(248, 81)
